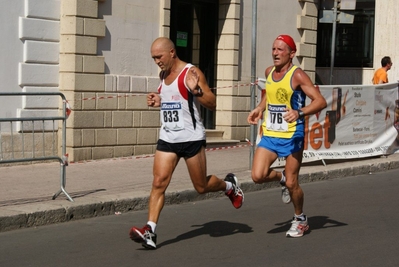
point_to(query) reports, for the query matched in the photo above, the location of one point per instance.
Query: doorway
(193, 28)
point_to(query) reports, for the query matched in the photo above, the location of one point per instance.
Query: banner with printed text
(359, 121)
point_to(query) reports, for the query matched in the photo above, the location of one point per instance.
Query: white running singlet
(180, 111)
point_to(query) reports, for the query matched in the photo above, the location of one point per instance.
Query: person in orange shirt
(381, 75)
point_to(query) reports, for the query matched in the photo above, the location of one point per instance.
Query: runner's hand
(153, 100)
(192, 80)
(254, 116)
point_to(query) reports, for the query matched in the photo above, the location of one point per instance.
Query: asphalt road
(353, 222)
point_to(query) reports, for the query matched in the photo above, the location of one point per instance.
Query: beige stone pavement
(106, 187)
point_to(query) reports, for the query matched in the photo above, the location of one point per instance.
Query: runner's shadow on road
(213, 229)
(315, 223)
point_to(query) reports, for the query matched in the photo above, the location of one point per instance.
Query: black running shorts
(183, 150)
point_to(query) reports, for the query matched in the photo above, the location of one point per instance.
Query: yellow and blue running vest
(281, 95)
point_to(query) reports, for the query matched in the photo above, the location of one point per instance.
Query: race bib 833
(172, 116)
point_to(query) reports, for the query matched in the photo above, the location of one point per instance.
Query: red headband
(288, 40)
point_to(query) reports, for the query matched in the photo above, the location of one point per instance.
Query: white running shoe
(298, 228)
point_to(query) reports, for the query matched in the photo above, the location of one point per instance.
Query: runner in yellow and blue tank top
(286, 137)
(283, 106)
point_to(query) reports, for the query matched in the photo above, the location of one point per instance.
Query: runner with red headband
(284, 111)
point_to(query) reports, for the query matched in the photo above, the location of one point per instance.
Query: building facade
(97, 53)
(359, 45)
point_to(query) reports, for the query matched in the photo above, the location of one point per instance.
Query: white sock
(229, 186)
(153, 226)
(282, 178)
(301, 216)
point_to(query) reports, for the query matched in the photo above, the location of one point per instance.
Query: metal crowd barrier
(12, 151)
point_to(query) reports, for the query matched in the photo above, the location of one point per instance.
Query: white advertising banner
(359, 121)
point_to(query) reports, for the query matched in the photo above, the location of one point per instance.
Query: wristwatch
(199, 92)
(301, 114)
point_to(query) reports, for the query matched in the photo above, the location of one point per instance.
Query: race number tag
(172, 116)
(275, 121)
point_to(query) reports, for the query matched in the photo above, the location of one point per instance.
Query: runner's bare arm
(198, 85)
(257, 113)
(302, 80)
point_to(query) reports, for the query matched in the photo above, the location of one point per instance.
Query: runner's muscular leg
(164, 166)
(292, 167)
(261, 171)
(196, 166)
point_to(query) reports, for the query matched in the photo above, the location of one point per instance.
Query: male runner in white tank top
(182, 91)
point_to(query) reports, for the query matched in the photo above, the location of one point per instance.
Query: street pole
(334, 30)
(253, 79)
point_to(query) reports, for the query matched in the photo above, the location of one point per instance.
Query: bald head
(163, 43)
(164, 53)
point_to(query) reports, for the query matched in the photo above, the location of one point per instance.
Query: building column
(386, 35)
(307, 25)
(232, 101)
(82, 75)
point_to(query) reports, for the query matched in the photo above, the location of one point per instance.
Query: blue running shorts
(283, 147)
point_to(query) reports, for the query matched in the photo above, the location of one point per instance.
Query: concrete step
(214, 134)
(221, 143)
(214, 138)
